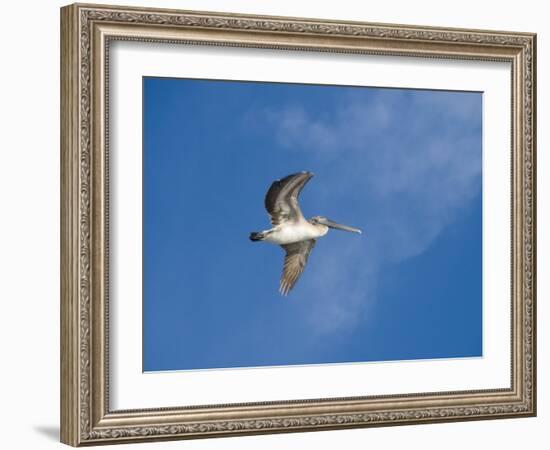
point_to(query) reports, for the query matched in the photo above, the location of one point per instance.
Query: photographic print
(275, 224)
(299, 224)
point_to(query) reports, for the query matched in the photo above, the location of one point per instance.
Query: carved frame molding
(86, 31)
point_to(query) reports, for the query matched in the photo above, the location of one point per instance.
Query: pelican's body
(290, 232)
(290, 229)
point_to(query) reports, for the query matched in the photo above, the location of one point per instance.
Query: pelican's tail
(257, 236)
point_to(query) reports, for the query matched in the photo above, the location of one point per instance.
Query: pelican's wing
(281, 200)
(295, 262)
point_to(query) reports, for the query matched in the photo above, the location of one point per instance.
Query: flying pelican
(291, 230)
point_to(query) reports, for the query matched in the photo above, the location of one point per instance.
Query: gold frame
(86, 31)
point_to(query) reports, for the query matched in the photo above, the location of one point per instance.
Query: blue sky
(404, 165)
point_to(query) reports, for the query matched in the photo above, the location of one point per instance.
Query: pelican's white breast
(288, 233)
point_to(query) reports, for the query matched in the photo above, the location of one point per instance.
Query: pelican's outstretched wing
(295, 262)
(281, 200)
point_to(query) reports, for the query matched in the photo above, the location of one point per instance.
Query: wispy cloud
(414, 157)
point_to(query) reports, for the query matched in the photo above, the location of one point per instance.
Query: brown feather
(281, 200)
(296, 258)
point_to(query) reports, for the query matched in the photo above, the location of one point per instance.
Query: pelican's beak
(338, 226)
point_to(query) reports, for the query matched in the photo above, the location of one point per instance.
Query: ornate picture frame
(87, 31)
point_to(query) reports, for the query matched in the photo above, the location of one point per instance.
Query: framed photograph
(276, 224)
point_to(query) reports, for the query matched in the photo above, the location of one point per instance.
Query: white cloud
(414, 158)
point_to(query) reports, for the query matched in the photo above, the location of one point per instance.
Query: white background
(132, 389)
(29, 229)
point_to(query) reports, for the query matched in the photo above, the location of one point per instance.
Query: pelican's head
(324, 224)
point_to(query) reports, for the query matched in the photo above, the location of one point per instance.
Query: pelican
(291, 230)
